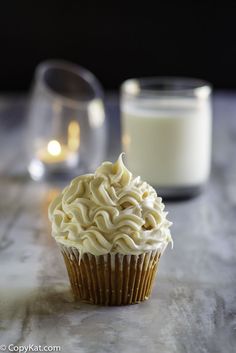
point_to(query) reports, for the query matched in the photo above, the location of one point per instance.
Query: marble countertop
(193, 306)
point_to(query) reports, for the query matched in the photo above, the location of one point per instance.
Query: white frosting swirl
(110, 212)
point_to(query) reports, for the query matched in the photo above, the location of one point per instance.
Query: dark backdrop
(118, 41)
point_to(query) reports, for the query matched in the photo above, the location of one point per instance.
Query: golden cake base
(112, 279)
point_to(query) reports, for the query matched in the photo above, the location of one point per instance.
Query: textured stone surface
(193, 307)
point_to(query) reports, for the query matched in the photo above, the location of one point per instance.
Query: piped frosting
(110, 211)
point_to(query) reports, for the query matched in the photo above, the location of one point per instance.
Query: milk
(168, 140)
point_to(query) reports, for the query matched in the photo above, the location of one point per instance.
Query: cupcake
(112, 230)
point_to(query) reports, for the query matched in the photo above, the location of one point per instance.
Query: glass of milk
(166, 132)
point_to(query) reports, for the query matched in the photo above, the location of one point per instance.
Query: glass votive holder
(166, 132)
(66, 121)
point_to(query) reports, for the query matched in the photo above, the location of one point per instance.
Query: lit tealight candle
(54, 150)
(54, 153)
(57, 156)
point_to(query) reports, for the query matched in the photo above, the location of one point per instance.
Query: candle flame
(54, 148)
(73, 135)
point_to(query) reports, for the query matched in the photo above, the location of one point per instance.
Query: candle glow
(54, 148)
(59, 155)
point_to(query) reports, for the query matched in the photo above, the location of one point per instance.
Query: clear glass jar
(66, 120)
(166, 132)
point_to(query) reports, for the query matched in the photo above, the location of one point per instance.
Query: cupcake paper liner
(112, 279)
